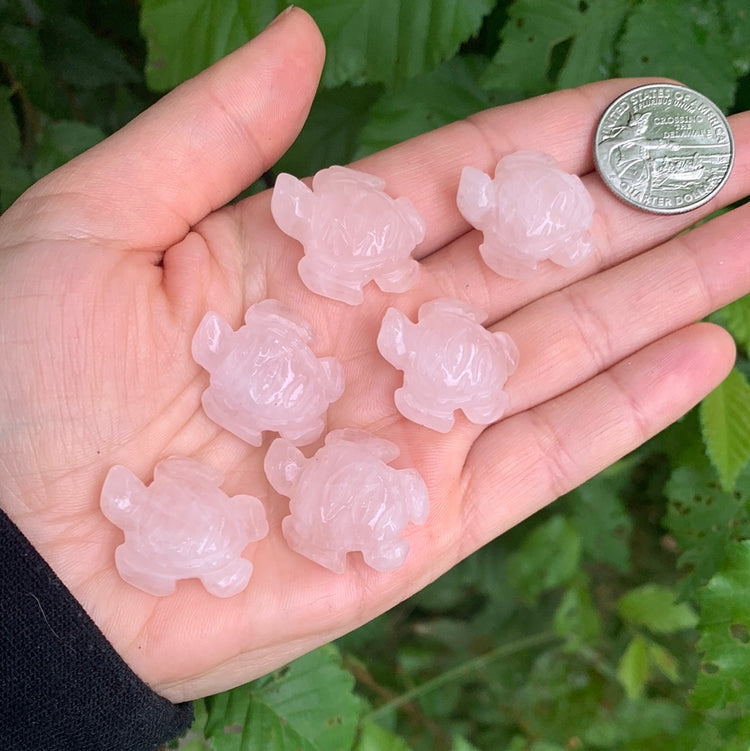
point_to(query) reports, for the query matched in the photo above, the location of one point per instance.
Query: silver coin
(663, 148)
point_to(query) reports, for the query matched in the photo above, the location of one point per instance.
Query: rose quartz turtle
(450, 361)
(351, 230)
(346, 498)
(182, 526)
(264, 376)
(530, 212)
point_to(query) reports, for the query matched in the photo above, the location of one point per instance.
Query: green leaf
(391, 40)
(725, 424)
(633, 668)
(366, 40)
(654, 606)
(549, 43)
(445, 94)
(546, 559)
(186, 36)
(331, 132)
(192, 744)
(14, 177)
(665, 661)
(522, 744)
(61, 141)
(200, 716)
(735, 18)
(632, 724)
(373, 737)
(13, 182)
(474, 577)
(696, 52)
(10, 136)
(576, 618)
(592, 51)
(461, 744)
(309, 705)
(23, 56)
(558, 696)
(599, 513)
(440, 705)
(724, 678)
(703, 519)
(83, 58)
(736, 317)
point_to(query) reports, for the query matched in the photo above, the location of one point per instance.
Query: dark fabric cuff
(62, 685)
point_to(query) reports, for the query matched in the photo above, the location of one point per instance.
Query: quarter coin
(663, 148)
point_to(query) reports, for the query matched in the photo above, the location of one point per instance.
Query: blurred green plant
(619, 618)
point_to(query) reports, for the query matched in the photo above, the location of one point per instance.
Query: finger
(196, 148)
(523, 463)
(619, 231)
(427, 168)
(567, 337)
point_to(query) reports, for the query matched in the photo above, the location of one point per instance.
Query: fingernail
(286, 11)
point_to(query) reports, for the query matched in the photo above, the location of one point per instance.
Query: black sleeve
(62, 685)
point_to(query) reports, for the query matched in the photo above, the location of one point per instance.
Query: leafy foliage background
(619, 618)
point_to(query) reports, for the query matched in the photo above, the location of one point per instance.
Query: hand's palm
(100, 369)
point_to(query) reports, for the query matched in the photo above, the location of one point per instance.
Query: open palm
(108, 265)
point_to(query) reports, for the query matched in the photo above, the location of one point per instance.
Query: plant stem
(459, 671)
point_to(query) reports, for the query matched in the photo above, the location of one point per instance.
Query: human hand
(108, 265)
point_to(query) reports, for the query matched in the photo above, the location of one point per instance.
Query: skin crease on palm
(108, 264)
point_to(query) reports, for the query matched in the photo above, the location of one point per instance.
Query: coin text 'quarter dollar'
(663, 148)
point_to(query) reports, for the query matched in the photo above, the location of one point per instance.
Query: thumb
(192, 151)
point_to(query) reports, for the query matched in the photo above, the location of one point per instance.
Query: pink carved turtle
(264, 376)
(182, 526)
(530, 212)
(450, 361)
(346, 498)
(351, 230)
